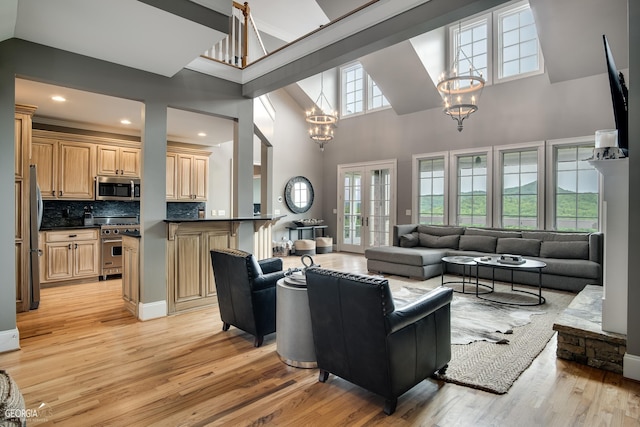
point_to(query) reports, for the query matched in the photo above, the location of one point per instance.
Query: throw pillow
(478, 243)
(515, 246)
(440, 230)
(556, 236)
(430, 241)
(491, 232)
(409, 240)
(566, 250)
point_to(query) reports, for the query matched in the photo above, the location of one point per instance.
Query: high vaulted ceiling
(134, 33)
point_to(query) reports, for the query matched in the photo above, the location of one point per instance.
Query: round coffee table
(493, 262)
(465, 262)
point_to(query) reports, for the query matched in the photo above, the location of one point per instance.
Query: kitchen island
(190, 282)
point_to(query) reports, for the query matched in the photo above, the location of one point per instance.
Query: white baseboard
(9, 340)
(631, 366)
(152, 310)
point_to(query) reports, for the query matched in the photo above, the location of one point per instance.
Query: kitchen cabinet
(193, 173)
(187, 177)
(172, 176)
(131, 273)
(66, 169)
(70, 255)
(22, 144)
(190, 279)
(118, 161)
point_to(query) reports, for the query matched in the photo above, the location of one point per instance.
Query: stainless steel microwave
(117, 188)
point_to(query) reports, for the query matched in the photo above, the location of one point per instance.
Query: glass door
(368, 205)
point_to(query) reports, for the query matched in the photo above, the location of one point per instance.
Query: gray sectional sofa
(573, 260)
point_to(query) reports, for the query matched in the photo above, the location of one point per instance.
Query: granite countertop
(243, 218)
(131, 234)
(68, 227)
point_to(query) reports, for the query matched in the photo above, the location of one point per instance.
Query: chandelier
(321, 118)
(460, 90)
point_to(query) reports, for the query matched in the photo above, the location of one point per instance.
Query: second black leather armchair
(360, 336)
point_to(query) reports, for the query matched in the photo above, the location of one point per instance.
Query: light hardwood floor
(92, 363)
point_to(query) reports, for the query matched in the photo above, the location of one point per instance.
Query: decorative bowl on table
(308, 222)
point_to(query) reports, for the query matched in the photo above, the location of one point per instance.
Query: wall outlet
(213, 212)
(408, 212)
(276, 211)
(335, 211)
(221, 213)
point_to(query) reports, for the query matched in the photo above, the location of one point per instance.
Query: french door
(367, 200)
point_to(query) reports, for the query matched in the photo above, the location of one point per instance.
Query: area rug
(493, 343)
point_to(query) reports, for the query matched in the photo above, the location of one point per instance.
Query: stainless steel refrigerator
(35, 220)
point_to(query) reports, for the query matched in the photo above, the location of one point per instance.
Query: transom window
(518, 40)
(474, 47)
(352, 90)
(354, 98)
(376, 99)
(502, 44)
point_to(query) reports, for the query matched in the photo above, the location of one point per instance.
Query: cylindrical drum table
(294, 338)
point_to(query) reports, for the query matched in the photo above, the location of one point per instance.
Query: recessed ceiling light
(202, 134)
(58, 98)
(125, 121)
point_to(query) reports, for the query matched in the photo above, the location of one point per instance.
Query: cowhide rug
(474, 319)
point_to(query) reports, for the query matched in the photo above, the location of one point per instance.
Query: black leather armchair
(246, 290)
(360, 336)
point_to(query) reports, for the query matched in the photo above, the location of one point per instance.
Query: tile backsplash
(184, 209)
(70, 213)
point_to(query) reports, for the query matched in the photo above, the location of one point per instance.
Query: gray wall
(7, 212)
(294, 154)
(520, 111)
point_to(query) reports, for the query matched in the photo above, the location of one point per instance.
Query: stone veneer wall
(580, 335)
(598, 353)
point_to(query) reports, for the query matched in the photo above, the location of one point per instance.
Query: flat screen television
(619, 96)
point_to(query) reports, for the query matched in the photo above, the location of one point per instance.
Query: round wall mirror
(298, 194)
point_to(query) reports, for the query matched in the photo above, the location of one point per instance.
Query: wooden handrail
(245, 39)
(340, 18)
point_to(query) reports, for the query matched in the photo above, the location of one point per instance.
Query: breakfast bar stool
(305, 247)
(324, 245)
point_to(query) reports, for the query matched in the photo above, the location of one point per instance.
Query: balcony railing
(243, 45)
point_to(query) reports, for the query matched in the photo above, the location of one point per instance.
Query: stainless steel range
(110, 230)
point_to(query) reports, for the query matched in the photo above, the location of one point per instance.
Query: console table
(312, 228)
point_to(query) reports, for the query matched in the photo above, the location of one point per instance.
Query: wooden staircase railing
(243, 44)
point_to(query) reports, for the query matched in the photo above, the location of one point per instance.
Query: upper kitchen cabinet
(65, 169)
(118, 161)
(69, 162)
(172, 176)
(187, 175)
(22, 134)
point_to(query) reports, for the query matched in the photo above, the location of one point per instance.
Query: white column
(615, 220)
